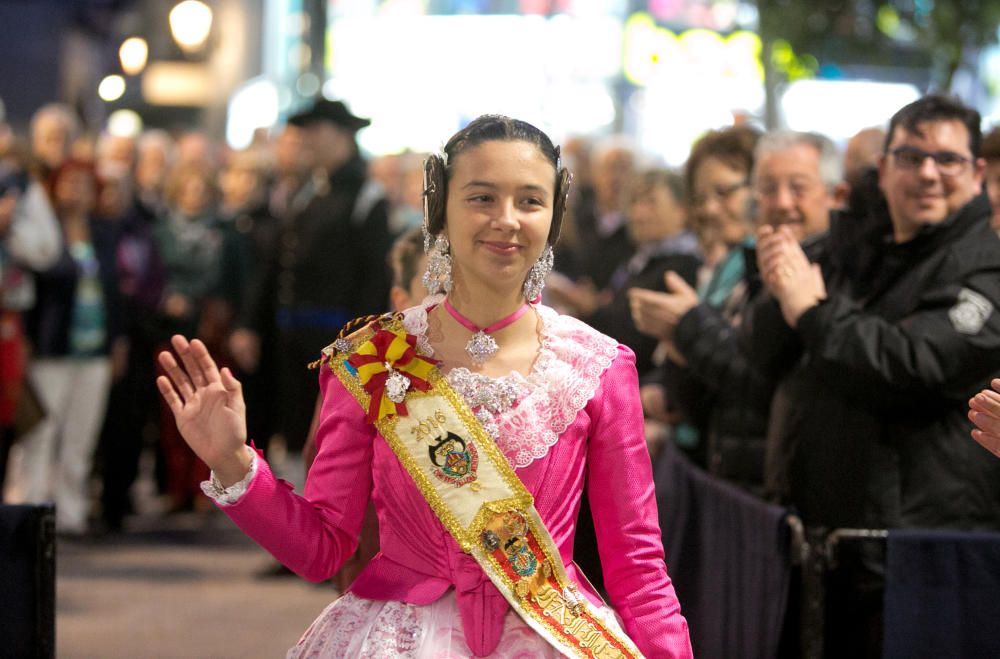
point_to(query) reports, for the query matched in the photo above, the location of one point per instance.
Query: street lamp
(190, 23)
(125, 123)
(133, 54)
(111, 88)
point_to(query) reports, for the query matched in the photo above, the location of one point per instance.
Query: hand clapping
(788, 275)
(657, 314)
(984, 411)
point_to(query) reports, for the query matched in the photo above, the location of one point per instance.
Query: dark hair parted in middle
(490, 128)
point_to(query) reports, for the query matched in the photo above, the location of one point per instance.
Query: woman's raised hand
(208, 406)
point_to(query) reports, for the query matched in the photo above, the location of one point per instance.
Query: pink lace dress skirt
(356, 627)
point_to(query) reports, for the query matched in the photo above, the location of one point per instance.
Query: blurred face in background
(6, 138)
(240, 184)
(790, 191)
(412, 189)
(612, 173)
(654, 214)
(75, 192)
(196, 148)
(291, 157)
(387, 170)
(116, 152)
(50, 139)
(992, 176)
(863, 151)
(577, 153)
(193, 195)
(721, 202)
(414, 291)
(331, 145)
(112, 203)
(151, 167)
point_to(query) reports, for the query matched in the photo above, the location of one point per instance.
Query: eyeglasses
(798, 188)
(948, 163)
(719, 193)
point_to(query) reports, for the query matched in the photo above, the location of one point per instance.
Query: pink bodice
(577, 416)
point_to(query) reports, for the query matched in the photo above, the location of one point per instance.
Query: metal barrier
(27, 581)
(831, 587)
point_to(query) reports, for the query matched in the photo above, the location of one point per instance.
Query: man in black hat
(330, 132)
(329, 266)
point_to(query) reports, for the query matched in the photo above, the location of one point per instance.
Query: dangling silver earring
(437, 277)
(535, 281)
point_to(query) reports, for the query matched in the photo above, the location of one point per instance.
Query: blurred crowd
(808, 321)
(112, 244)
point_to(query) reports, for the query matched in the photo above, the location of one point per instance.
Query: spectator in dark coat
(203, 265)
(796, 180)
(329, 268)
(600, 229)
(657, 224)
(718, 193)
(131, 416)
(868, 426)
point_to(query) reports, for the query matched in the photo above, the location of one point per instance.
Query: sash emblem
(521, 558)
(456, 460)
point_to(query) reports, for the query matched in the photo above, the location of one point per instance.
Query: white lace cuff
(227, 496)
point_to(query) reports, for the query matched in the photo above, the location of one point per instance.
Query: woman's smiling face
(498, 212)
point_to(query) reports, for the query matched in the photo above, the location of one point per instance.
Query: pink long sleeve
(623, 503)
(314, 535)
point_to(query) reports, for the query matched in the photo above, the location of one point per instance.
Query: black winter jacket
(330, 263)
(720, 390)
(868, 424)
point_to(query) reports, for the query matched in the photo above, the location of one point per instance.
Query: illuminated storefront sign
(688, 83)
(441, 71)
(420, 69)
(653, 52)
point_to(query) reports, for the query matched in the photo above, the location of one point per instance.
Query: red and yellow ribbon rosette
(388, 365)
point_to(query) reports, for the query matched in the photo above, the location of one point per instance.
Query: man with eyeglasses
(868, 425)
(878, 436)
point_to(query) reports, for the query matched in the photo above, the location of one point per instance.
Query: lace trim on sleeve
(227, 496)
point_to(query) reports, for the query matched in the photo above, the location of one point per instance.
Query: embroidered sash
(470, 486)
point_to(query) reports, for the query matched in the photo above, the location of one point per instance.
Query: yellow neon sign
(651, 51)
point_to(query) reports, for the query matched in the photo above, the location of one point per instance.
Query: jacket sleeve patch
(970, 312)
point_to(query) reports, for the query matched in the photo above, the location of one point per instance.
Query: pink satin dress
(575, 419)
